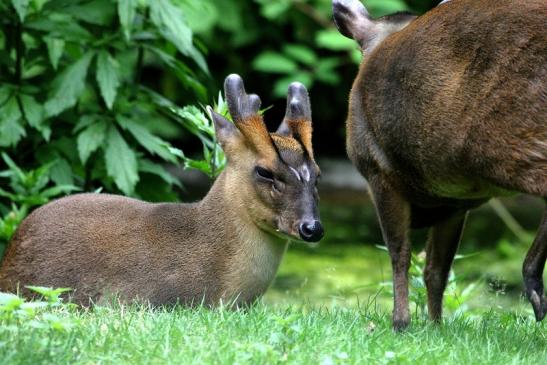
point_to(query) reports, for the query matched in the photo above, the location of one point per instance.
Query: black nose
(311, 231)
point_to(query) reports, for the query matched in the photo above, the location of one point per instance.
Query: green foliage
(313, 52)
(25, 190)
(74, 110)
(321, 50)
(49, 314)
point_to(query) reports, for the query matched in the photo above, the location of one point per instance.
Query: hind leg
(394, 215)
(532, 271)
(442, 244)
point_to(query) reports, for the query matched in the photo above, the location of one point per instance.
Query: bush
(74, 112)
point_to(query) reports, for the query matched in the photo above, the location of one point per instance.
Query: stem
(18, 53)
(140, 56)
(138, 71)
(312, 13)
(509, 220)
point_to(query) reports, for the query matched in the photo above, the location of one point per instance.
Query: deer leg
(442, 245)
(532, 271)
(394, 215)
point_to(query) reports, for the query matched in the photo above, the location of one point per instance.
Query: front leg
(393, 212)
(532, 271)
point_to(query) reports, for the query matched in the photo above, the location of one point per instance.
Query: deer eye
(264, 173)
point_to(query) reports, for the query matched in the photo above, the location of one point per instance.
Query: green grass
(266, 335)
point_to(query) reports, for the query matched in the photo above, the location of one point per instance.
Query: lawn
(265, 335)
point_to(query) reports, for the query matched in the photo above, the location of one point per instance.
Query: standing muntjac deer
(448, 110)
(226, 247)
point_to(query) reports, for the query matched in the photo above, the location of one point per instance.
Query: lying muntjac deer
(448, 110)
(226, 247)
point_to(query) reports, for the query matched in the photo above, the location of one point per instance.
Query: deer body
(226, 247)
(448, 110)
(162, 253)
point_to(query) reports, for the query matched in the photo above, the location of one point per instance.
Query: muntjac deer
(226, 247)
(448, 110)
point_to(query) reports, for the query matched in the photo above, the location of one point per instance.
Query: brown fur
(226, 247)
(302, 129)
(444, 114)
(257, 135)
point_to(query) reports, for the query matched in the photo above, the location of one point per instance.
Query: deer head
(274, 174)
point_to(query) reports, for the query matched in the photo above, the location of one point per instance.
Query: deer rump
(458, 104)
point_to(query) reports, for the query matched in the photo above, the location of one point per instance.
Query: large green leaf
(90, 139)
(126, 14)
(55, 48)
(11, 130)
(151, 143)
(300, 53)
(61, 173)
(170, 21)
(34, 114)
(98, 12)
(121, 162)
(158, 170)
(378, 8)
(282, 85)
(201, 16)
(183, 72)
(333, 40)
(21, 8)
(62, 26)
(274, 9)
(274, 62)
(107, 77)
(85, 121)
(5, 93)
(68, 86)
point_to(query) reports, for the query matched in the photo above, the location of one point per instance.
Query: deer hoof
(400, 323)
(539, 304)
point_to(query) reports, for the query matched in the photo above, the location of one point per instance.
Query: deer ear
(353, 21)
(225, 131)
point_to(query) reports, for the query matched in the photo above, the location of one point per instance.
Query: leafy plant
(201, 126)
(314, 52)
(72, 89)
(27, 189)
(46, 314)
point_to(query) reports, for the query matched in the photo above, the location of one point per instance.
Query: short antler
(297, 121)
(298, 103)
(244, 110)
(241, 105)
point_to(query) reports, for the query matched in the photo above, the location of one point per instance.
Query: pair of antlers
(244, 109)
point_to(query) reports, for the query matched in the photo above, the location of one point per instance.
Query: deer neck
(247, 255)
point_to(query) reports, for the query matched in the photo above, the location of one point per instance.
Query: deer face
(275, 174)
